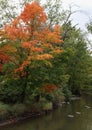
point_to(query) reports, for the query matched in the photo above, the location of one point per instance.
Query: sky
(83, 15)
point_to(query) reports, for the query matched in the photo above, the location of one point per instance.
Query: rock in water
(71, 116)
(78, 113)
(87, 107)
(68, 102)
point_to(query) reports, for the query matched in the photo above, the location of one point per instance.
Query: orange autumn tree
(4, 58)
(29, 39)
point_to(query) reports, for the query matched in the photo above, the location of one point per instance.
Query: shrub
(67, 93)
(18, 109)
(4, 111)
(58, 96)
(10, 91)
(48, 106)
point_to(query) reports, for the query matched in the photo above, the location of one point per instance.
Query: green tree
(76, 46)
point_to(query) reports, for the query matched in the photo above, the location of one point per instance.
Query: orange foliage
(37, 49)
(26, 45)
(4, 58)
(9, 48)
(15, 32)
(23, 65)
(22, 28)
(35, 41)
(43, 56)
(49, 88)
(32, 12)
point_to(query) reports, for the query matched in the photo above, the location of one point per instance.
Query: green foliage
(10, 90)
(18, 109)
(47, 106)
(67, 93)
(54, 11)
(58, 96)
(9, 111)
(4, 111)
(77, 59)
(89, 26)
(8, 11)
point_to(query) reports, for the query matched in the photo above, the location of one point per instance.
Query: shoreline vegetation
(14, 113)
(5, 121)
(23, 117)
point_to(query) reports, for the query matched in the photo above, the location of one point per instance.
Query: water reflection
(59, 120)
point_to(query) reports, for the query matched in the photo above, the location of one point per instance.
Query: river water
(76, 115)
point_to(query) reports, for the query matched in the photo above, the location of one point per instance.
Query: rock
(68, 102)
(63, 102)
(78, 113)
(71, 116)
(60, 104)
(75, 98)
(87, 107)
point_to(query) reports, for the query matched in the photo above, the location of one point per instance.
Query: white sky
(80, 18)
(86, 11)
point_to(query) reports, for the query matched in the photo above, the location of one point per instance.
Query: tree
(4, 58)
(56, 14)
(75, 45)
(31, 41)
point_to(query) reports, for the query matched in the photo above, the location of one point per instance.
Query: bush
(10, 91)
(67, 93)
(58, 96)
(18, 109)
(4, 111)
(48, 106)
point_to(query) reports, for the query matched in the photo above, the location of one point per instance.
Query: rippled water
(61, 119)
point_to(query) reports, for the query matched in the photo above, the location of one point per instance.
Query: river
(76, 115)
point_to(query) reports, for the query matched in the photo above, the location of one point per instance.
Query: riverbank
(23, 117)
(59, 118)
(19, 113)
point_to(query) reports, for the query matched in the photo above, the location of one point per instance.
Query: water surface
(59, 119)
